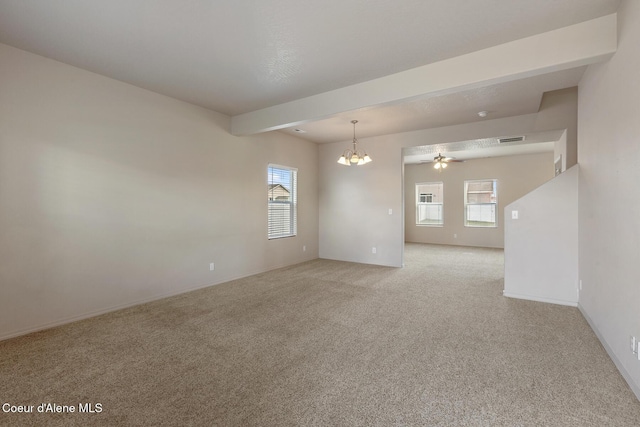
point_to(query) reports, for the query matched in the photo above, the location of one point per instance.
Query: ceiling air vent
(511, 139)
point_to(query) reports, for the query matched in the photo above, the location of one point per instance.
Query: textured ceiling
(505, 100)
(486, 147)
(237, 56)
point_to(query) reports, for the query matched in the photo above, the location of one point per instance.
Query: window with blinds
(480, 203)
(282, 196)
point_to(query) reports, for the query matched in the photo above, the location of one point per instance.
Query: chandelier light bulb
(353, 155)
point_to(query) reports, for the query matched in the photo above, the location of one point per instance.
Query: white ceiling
(239, 56)
(481, 148)
(503, 100)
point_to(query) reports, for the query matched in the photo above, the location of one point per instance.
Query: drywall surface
(516, 176)
(355, 201)
(557, 109)
(609, 198)
(112, 195)
(361, 206)
(541, 245)
(560, 152)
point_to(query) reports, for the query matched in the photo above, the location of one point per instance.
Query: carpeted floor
(328, 343)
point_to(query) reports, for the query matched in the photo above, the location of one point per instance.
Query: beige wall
(354, 206)
(112, 195)
(516, 175)
(541, 245)
(609, 198)
(355, 201)
(555, 111)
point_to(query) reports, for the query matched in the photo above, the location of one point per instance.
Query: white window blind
(282, 196)
(480, 203)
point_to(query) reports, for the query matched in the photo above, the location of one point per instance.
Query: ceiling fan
(440, 162)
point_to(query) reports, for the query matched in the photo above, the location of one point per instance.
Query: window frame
(292, 229)
(428, 198)
(418, 203)
(494, 203)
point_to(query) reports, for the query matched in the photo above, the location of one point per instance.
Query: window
(480, 203)
(282, 189)
(429, 203)
(426, 198)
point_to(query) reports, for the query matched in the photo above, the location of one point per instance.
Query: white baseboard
(94, 313)
(627, 377)
(540, 299)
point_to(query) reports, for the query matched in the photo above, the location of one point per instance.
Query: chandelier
(354, 156)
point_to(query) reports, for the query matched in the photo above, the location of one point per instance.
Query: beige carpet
(328, 343)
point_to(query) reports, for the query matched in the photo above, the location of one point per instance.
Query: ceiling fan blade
(442, 159)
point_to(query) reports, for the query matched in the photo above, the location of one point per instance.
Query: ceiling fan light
(444, 165)
(437, 165)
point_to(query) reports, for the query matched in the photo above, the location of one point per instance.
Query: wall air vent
(511, 139)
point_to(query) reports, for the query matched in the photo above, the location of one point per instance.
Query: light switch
(514, 214)
(390, 211)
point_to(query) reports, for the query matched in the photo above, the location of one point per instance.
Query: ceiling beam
(574, 46)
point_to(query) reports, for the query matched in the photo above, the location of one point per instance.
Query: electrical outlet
(580, 284)
(455, 236)
(632, 341)
(514, 214)
(212, 266)
(304, 249)
(373, 250)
